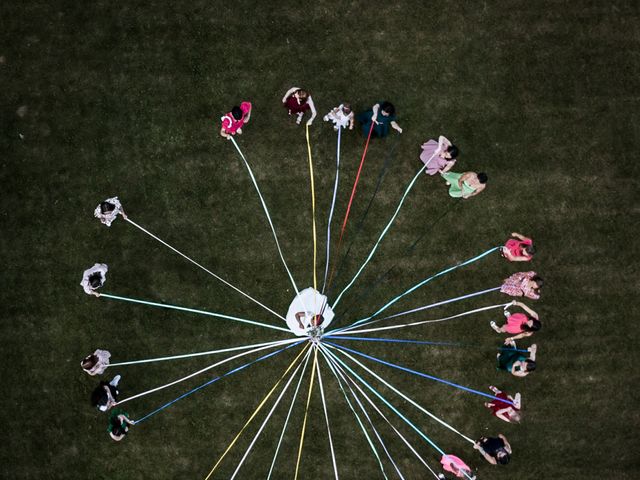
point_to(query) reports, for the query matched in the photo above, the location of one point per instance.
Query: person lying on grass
(520, 324)
(465, 185)
(518, 248)
(515, 362)
(507, 412)
(495, 450)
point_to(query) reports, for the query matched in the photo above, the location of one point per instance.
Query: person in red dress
(297, 101)
(503, 410)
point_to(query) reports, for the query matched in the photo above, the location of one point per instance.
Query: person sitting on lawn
(96, 363)
(93, 278)
(119, 424)
(438, 156)
(106, 394)
(465, 185)
(108, 210)
(381, 116)
(515, 362)
(341, 116)
(453, 464)
(495, 450)
(523, 284)
(233, 121)
(508, 412)
(520, 324)
(297, 101)
(518, 248)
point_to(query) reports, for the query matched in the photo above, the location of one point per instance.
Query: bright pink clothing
(515, 323)
(516, 247)
(230, 124)
(517, 285)
(459, 465)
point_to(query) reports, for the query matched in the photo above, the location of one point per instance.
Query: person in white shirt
(93, 278)
(108, 210)
(341, 116)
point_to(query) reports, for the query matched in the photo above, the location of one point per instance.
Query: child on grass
(233, 121)
(341, 116)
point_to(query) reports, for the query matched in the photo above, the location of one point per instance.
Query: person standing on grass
(520, 324)
(106, 394)
(508, 412)
(518, 248)
(495, 450)
(465, 185)
(108, 210)
(96, 363)
(439, 156)
(94, 278)
(297, 101)
(453, 464)
(341, 116)
(523, 284)
(381, 116)
(233, 121)
(515, 362)
(119, 424)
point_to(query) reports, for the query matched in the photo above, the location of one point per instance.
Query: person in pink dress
(518, 248)
(233, 121)
(508, 412)
(453, 464)
(519, 324)
(439, 156)
(297, 101)
(523, 284)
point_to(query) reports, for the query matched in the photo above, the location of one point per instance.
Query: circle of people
(376, 121)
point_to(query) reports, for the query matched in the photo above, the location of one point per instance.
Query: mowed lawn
(102, 98)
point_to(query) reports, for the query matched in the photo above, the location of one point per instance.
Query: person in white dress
(93, 278)
(96, 363)
(308, 312)
(108, 210)
(341, 116)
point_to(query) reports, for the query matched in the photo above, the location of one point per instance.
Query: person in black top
(494, 449)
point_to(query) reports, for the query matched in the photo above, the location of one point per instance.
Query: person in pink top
(519, 324)
(523, 284)
(453, 464)
(508, 412)
(233, 121)
(518, 248)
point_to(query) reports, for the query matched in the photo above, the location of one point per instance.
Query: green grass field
(124, 99)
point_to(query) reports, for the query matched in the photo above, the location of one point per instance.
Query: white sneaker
(299, 119)
(115, 380)
(325, 118)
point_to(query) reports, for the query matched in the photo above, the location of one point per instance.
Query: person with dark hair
(341, 116)
(381, 116)
(453, 464)
(501, 408)
(518, 248)
(94, 278)
(515, 362)
(313, 320)
(119, 424)
(438, 156)
(96, 363)
(105, 395)
(495, 450)
(233, 121)
(521, 324)
(523, 284)
(297, 101)
(465, 185)
(108, 210)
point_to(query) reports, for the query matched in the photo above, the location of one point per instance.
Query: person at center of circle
(380, 117)
(314, 322)
(465, 185)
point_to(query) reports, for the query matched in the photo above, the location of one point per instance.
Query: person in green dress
(465, 185)
(515, 362)
(118, 424)
(381, 116)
